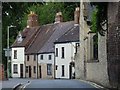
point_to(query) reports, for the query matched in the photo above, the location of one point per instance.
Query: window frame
(26, 70)
(34, 58)
(15, 54)
(28, 57)
(62, 52)
(56, 50)
(15, 68)
(34, 69)
(49, 69)
(41, 57)
(63, 70)
(49, 57)
(95, 47)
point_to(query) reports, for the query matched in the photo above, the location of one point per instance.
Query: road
(55, 84)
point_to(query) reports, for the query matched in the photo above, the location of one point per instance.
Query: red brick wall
(1, 72)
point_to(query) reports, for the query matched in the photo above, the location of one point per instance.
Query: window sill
(50, 75)
(92, 61)
(15, 73)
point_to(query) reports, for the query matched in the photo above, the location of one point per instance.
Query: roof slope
(60, 29)
(70, 36)
(27, 35)
(41, 38)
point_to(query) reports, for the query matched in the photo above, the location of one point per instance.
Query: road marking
(94, 84)
(16, 86)
(24, 86)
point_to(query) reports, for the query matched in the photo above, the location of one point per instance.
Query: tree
(99, 17)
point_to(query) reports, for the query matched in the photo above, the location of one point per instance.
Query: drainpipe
(37, 66)
(54, 66)
(25, 65)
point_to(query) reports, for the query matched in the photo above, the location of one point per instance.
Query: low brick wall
(1, 72)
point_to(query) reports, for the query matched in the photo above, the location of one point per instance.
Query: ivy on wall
(99, 17)
(94, 21)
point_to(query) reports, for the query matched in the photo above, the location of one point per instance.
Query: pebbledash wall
(19, 60)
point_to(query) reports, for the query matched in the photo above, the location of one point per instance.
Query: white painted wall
(69, 51)
(46, 58)
(19, 60)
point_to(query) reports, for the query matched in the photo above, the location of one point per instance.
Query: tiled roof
(70, 36)
(27, 35)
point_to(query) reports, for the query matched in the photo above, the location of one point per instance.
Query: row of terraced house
(46, 51)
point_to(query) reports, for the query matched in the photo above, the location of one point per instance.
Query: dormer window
(19, 38)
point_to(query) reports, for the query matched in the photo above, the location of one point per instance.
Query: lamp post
(8, 49)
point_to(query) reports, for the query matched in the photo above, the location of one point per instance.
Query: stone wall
(113, 43)
(97, 70)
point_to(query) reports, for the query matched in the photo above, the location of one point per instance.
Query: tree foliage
(99, 17)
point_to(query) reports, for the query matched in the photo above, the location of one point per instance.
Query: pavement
(55, 83)
(12, 83)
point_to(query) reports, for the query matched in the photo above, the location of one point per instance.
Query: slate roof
(70, 36)
(41, 39)
(27, 35)
(60, 29)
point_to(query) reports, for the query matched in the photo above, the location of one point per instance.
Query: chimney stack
(58, 17)
(77, 15)
(32, 20)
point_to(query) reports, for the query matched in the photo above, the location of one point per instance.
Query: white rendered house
(17, 62)
(64, 57)
(65, 50)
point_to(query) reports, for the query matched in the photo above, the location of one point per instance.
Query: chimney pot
(77, 15)
(58, 17)
(32, 19)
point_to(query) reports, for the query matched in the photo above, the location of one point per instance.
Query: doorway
(72, 70)
(40, 71)
(21, 70)
(29, 71)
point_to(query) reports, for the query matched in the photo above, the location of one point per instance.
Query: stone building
(104, 68)
(113, 44)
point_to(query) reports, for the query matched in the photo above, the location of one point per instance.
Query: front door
(40, 71)
(21, 70)
(29, 71)
(70, 71)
